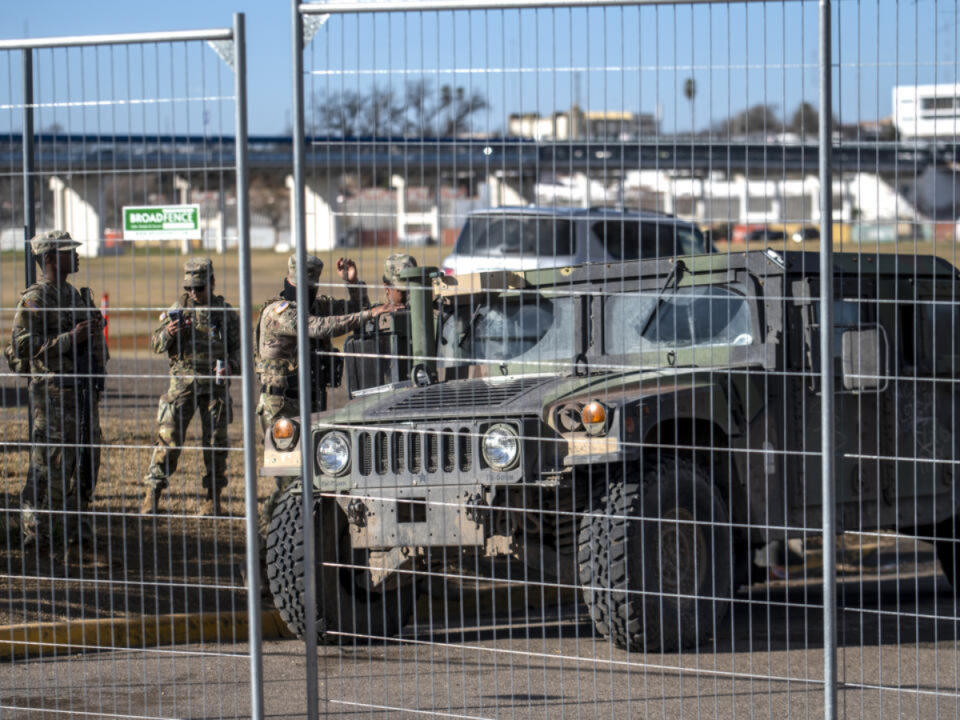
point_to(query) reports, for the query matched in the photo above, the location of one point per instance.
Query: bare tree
(269, 199)
(755, 119)
(805, 120)
(421, 112)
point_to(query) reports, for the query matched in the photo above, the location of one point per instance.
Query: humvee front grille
(412, 451)
(466, 449)
(447, 442)
(432, 452)
(399, 456)
(466, 393)
(415, 452)
(366, 454)
(382, 454)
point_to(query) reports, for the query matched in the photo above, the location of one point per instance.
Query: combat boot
(151, 502)
(211, 506)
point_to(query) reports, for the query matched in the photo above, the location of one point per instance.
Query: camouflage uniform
(213, 334)
(276, 340)
(66, 382)
(275, 343)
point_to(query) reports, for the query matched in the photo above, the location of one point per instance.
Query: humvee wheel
(347, 612)
(948, 551)
(641, 592)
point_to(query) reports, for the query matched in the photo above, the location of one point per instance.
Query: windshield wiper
(671, 283)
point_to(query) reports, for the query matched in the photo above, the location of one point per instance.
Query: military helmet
(52, 241)
(396, 264)
(314, 268)
(197, 273)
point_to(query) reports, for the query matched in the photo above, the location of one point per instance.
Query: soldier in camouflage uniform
(197, 331)
(58, 339)
(392, 267)
(275, 343)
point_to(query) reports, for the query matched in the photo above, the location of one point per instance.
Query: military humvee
(632, 429)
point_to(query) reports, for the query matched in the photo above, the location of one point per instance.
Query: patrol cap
(314, 268)
(197, 273)
(396, 264)
(52, 241)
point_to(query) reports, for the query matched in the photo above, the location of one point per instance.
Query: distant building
(927, 111)
(577, 124)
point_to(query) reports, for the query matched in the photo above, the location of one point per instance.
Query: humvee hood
(511, 396)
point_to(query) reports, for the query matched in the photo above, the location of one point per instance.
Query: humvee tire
(346, 612)
(629, 589)
(948, 551)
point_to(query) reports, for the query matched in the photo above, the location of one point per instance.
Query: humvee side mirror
(865, 359)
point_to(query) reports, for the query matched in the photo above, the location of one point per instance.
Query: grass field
(142, 283)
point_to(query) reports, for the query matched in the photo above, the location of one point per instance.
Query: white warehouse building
(862, 197)
(927, 111)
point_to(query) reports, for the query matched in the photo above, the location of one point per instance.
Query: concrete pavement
(900, 658)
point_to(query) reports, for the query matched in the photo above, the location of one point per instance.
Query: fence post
(29, 206)
(826, 370)
(303, 357)
(247, 369)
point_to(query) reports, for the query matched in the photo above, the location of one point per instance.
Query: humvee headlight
(420, 375)
(501, 447)
(284, 434)
(594, 417)
(333, 453)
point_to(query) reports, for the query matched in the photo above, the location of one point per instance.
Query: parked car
(635, 429)
(533, 237)
(756, 232)
(805, 233)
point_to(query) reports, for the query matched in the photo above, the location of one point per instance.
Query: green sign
(162, 222)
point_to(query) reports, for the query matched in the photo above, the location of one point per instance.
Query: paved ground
(901, 656)
(765, 663)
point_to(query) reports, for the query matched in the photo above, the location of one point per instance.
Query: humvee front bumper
(426, 484)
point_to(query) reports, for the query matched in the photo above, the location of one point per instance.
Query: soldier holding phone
(199, 330)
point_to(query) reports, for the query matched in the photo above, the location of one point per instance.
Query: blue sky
(530, 61)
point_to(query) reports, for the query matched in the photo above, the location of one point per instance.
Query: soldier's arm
(322, 328)
(161, 340)
(53, 354)
(359, 300)
(319, 327)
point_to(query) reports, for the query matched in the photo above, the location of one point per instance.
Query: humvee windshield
(689, 317)
(530, 328)
(539, 330)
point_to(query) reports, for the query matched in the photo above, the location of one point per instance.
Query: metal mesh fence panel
(897, 465)
(121, 421)
(651, 428)
(610, 368)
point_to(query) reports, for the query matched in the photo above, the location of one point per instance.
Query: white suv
(514, 238)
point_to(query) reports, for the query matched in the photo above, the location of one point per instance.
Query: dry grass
(176, 563)
(142, 283)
